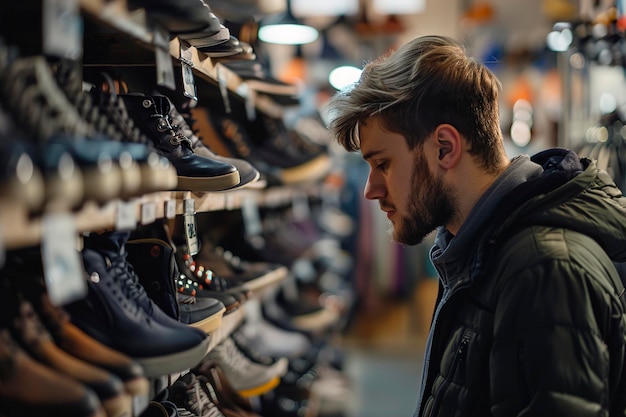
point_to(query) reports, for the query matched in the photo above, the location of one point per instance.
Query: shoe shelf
(129, 40)
(20, 229)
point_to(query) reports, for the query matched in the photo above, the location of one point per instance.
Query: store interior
(181, 236)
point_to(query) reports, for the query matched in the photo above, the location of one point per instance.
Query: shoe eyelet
(146, 103)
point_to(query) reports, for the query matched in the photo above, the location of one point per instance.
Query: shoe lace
(230, 354)
(183, 412)
(129, 281)
(200, 403)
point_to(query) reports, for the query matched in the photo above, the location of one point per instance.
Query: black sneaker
(179, 16)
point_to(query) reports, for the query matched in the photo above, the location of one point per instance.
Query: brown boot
(37, 341)
(65, 334)
(30, 389)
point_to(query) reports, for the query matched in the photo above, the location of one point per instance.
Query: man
(530, 319)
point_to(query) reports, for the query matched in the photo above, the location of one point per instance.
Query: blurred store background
(353, 308)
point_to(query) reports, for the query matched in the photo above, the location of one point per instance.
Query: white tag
(223, 84)
(191, 233)
(148, 212)
(63, 269)
(251, 217)
(251, 105)
(189, 84)
(170, 209)
(164, 65)
(62, 29)
(126, 216)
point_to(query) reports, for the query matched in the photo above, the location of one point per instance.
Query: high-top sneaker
(154, 262)
(205, 314)
(118, 313)
(30, 389)
(195, 172)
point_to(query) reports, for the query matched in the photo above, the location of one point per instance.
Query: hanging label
(164, 65)
(189, 84)
(63, 269)
(62, 29)
(170, 209)
(148, 212)
(126, 215)
(251, 217)
(251, 105)
(223, 85)
(191, 232)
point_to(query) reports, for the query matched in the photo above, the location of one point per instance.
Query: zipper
(432, 340)
(459, 360)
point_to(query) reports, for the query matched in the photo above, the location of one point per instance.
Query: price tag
(164, 65)
(126, 216)
(251, 217)
(250, 105)
(191, 232)
(148, 212)
(189, 84)
(170, 209)
(62, 29)
(63, 269)
(223, 85)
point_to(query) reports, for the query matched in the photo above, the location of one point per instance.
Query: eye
(381, 165)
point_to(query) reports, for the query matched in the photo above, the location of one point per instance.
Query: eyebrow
(370, 154)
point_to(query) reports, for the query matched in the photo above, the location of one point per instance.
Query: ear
(449, 145)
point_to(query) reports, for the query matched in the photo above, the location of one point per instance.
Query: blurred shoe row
(66, 146)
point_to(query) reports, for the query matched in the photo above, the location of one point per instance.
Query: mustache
(384, 206)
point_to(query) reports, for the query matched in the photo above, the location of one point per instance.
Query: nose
(374, 187)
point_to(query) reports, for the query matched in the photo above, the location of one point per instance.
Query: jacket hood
(571, 193)
(554, 188)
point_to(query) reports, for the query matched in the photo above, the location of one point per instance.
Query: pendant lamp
(285, 29)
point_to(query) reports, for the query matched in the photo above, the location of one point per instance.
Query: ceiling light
(285, 29)
(344, 76)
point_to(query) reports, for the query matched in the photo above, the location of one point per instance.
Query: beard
(431, 204)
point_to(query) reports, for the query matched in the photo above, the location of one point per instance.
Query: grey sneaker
(189, 397)
(249, 378)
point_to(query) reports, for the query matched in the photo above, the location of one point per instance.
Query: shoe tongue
(161, 105)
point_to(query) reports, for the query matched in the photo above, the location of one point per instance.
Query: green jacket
(531, 318)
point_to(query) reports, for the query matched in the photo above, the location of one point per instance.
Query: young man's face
(416, 201)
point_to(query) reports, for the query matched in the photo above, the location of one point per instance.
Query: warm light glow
(288, 34)
(342, 77)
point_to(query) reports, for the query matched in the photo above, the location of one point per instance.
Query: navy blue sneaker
(118, 313)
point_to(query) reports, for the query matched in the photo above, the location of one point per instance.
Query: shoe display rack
(162, 230)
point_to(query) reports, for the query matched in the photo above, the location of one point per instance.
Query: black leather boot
(195, 172)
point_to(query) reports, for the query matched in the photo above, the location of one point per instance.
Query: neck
(470, 184)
